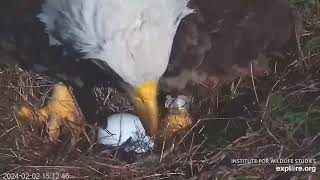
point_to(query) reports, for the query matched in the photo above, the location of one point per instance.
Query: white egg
(126, 131)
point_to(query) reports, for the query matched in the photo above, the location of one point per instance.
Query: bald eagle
(142, 43)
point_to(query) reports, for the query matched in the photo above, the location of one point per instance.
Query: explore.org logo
(281, 165)
(292, 168)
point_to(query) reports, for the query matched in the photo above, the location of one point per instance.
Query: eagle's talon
(60, 111)
(176, 124)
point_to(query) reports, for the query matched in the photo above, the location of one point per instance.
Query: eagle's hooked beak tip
(145, 101)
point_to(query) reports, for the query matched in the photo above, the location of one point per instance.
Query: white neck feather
(134, 37)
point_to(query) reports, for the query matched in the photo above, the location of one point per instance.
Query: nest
(197, 153)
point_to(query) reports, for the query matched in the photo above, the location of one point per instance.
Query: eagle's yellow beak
(145, 101)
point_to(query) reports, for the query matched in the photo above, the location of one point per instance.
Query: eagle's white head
(134, 37)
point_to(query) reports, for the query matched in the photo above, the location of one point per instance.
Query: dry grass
(200, 153)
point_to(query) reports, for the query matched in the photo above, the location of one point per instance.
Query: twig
(253, 83)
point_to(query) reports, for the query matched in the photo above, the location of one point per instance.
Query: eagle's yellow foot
(61, 111)
(176, 123)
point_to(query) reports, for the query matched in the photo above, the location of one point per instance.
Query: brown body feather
(216, 42)
(221, 38)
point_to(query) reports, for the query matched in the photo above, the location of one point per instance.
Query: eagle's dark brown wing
(222, 37)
